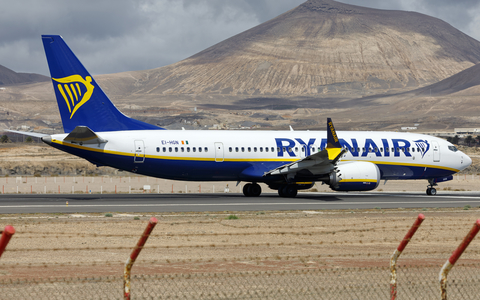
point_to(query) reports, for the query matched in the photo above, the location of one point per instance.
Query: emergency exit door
(219, 152)
(139, 152)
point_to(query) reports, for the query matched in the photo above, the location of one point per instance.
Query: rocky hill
(9, 77)
(368, 69)
(322, 47)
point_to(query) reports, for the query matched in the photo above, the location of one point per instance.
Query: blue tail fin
(80, 100)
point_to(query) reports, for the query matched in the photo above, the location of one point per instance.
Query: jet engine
(354, 176)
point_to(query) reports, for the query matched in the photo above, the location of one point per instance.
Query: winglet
(333, 144)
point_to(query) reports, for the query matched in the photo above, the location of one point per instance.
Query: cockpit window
(452, 148)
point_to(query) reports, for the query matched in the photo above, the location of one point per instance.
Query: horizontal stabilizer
(34, 134)
(84, 135)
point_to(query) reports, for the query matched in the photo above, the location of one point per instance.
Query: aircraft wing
(322, 162)
(319, 163)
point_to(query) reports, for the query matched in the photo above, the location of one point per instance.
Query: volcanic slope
(9, 77)
(322, 47)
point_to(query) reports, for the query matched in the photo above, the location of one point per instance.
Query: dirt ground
(73, 245)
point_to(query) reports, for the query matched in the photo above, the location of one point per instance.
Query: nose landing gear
(430, 188)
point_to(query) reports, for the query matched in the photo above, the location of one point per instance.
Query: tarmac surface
(219, 202)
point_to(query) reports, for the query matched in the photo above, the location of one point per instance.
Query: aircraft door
(139, 152)
(436, 151)
(219, 152)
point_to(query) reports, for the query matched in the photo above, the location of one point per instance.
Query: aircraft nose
(467, 161)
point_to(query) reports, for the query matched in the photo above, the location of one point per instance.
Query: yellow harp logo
(75, 91)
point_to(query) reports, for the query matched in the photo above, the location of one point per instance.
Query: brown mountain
(9, 77)
(322, 47)
(366, 68)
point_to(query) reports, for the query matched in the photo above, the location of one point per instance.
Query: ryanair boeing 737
(287, 161)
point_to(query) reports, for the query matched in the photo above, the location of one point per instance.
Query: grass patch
(108, 215)
(232, 217)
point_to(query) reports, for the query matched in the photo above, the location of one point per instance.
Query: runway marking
(244, 204)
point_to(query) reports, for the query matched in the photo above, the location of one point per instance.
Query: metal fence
(415, 282)
(23, 275)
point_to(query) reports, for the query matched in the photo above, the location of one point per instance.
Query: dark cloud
(121, 35)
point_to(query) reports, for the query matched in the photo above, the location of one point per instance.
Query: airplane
(286, 161)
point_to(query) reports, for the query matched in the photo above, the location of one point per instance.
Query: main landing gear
(287, 191)
(430, 188)
(252, 190)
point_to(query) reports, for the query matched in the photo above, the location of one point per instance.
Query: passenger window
(194, 149)
(229, 149)
(243, 149)
(170, 149)
(176, 149)
(200, 149)
(164, 149)
(254, 149)
(278, 149)
(266, 149)
(188, 149)
(206, 149)
(375, 149)
(249, 149)
(261, 149)
(236, 149)
(183, 149)
(158, 149)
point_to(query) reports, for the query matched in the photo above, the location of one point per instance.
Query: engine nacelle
(355, 176)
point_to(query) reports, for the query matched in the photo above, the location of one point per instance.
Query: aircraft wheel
(255, 190)
(252, 190)
(281, 191)
(290, 191)
(247, 190)
(433, 191)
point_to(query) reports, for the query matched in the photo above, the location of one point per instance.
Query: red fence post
(136, 251)
(398, 251)
(455, 256)
(6, 236)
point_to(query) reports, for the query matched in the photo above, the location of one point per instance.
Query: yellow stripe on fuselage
(358, 180)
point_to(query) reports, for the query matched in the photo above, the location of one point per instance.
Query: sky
(111, 36)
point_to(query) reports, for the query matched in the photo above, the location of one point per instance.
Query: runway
(158, 203)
